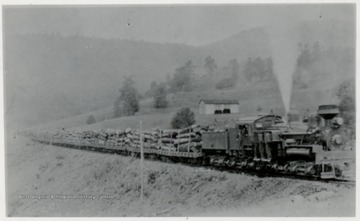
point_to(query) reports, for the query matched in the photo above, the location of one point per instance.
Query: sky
(185, 24)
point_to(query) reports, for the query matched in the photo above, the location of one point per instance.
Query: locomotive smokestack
(328, 112)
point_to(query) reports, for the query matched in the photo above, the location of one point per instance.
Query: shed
(212, 106)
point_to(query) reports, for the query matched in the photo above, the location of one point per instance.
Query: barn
(208, 106)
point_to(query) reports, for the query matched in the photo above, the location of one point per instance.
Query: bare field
(111, 184)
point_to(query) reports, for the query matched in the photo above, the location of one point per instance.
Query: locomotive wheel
(251, 165)
(274, 167)
(293, 169)
(231, 162)
(206, 161)
(299, 169)
(311, 170)
(268, 168)
(152, 157)
(259, 167)
(338, 171)
(165, 159)
(133, 154)
(194, 161)
(287, 168)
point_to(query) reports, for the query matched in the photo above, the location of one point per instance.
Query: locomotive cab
(259, 137)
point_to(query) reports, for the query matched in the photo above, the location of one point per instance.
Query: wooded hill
(49, 77)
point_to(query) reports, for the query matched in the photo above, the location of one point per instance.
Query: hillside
(83, 74)
(319, 79)
(59, 77)
(264, 93)
(80, 74)
(249, 43)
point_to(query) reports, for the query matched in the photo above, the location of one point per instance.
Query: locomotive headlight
(338, 121)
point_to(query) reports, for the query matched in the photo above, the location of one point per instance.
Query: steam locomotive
(266, 143)
(261, 143)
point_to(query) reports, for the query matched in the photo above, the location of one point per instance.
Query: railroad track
(261, 174)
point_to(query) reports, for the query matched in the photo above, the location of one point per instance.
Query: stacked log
(149, 139)
(166, 140)
(181, 140)
(115, 138)
(89, 137)
(103, 137)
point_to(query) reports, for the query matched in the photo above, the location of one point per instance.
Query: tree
(160, 96)
(117, 108)
(304, 60)
(257, 68)
(183, 77)
(248, 71)
(347, 87)
(151, 91)
(347, 104)
(183, 118)
(128, 101)
(168, 80)
(225, 83)
(234, 69)
(346, 95)
(210, 66)
(91, 120)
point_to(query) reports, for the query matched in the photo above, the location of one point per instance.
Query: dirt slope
(171, 189)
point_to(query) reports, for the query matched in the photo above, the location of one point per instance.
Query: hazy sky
(194, 25)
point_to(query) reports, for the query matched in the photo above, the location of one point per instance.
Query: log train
(261, 143)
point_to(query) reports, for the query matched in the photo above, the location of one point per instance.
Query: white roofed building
(212, 106)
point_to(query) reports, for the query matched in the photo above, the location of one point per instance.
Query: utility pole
(141, 162)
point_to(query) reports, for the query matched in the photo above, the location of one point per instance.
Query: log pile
(89, 137)
(149, 139)
(181, 140)
(114, 138)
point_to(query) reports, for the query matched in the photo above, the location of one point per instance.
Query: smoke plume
(283, 41)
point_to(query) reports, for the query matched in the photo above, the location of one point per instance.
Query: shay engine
(267, 144)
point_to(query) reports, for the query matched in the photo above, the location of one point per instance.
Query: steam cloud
(283, 42)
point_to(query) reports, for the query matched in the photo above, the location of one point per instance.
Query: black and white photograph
(180, 109)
